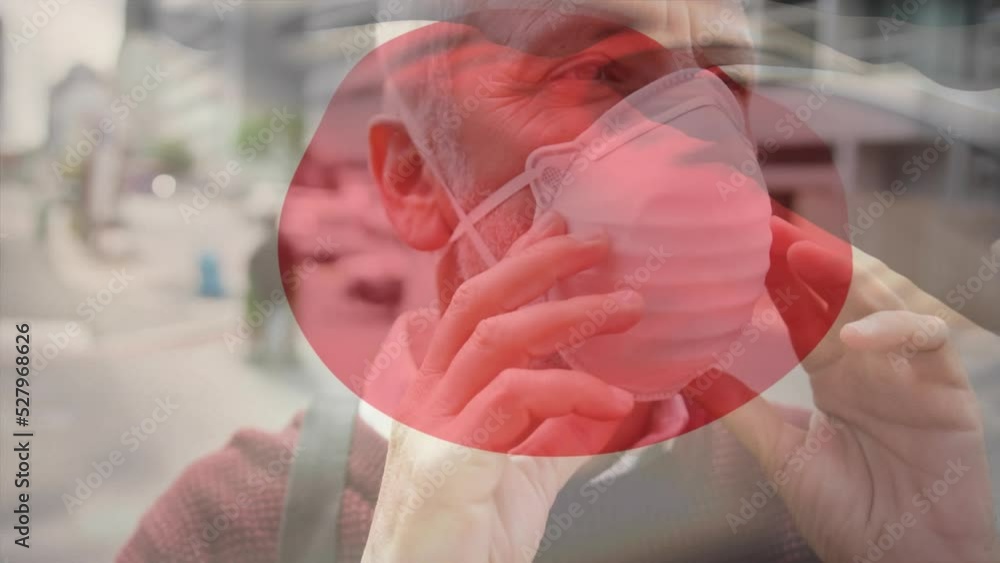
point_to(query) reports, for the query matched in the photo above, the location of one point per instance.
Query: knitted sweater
(228, 507)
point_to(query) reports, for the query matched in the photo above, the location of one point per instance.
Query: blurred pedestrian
(210, 279)
(272, 338)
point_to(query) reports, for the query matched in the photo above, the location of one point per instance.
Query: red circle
(321, 252)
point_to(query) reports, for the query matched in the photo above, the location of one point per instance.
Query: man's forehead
(632, 13)
(653, 17)
(540, 26)
(717, 29)
(546, 26)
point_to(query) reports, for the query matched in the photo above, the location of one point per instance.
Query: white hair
(427, 93)
(424, 96)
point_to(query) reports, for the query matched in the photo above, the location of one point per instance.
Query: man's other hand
(892, 466)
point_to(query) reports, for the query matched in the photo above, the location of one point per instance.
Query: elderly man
(900, 471)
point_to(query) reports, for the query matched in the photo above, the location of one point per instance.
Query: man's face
(526, 79)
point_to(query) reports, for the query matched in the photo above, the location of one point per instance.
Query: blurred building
(326, 39)
(198, 102)
(951, 41)
(895, 82)
(3, 79)
(11, 164)
(76, 103)
(899, 74)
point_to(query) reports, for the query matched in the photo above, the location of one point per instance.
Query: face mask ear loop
(507, 191)
(467, 221)
(466, 227)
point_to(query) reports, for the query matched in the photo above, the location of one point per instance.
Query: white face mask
(671, 176)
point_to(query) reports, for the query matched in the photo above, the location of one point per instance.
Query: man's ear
(408, 189)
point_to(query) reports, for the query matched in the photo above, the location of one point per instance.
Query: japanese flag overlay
(327, 256)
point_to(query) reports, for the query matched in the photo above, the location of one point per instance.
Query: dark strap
(316, 484)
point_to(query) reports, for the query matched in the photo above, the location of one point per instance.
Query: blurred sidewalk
(155, 340)
(153, 307)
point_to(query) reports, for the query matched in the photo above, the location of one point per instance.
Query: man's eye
(596, 69)
(589, 71)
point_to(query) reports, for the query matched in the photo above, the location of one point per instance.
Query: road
(144, 348)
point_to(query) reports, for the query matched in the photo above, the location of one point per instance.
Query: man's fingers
(887, 331)
(913, 345)
(516, 281)
(512, 406)
(515, 338)
(805, 313)
(783, 236)
(864, 292)
(825, 272)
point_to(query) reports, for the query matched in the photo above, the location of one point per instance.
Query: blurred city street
(149, 345)
(157, 157)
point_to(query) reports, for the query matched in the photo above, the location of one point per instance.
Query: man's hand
(892, 466)
(479, 388)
